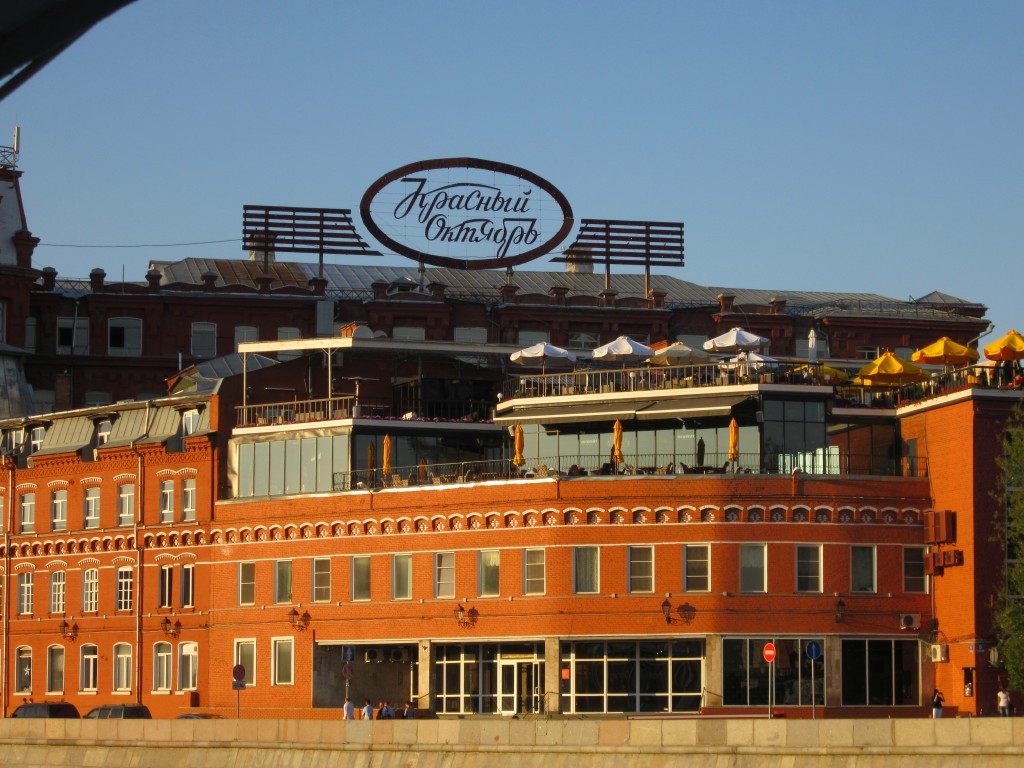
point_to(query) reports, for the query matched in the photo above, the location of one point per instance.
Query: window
(32, 338)
(72, 336)
(641, 569)
(247, 583)
(746, 676)
(103, 432)
(125, 589)
(91, 505)
(162, 667)
(444, 574)
(283, 581)
(124, 337)
(401, 577)
(58, 587)
(533, 572)
(529, 338)
(697, 568)
(23, 671)
(881, 672)
(321, 579)
(188, 498)
(752, 568)
(27, 513)
(245, 655)
(190, 423)
(244, 333)
(25, 581)
(488, 576)
(808, 568)
(284, 334)
(584, 569)
(408, 333)
(126, 504)
(862, 569)
(59, 511)
(167, 501)
(282, 661)
(188, 586)
(361, 577)
(37, 436)
(204, 340)
(122, 667)
(470, 335)
(166, 585)
(583, 340)
(88, 667)
(914, 579)
(188, 666)
(55, 669)
(90, 590)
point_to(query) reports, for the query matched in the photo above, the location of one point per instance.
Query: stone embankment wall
(480, 743)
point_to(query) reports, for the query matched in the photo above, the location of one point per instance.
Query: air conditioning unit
(374, 654)
(910, 620)
(940, 652)
(398, 655)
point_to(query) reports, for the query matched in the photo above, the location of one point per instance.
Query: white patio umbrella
(753, 360)
(812, 347)
(623, 349)
(541, 352)
(677, 354)
(736, 340)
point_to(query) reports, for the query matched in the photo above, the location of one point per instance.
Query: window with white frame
(245, 333)
(166, 586)
(583, 339)
(534, 577)
(283, 581)
(408, 333)
(188, 666)
(697, 568)
(489, 574)
(585, 570)
(282, 660)
(247, 583)
(361, 577)
(204, 340)
(122, 667)
(190, 422)
(55, 669)
(125, 589)
(401, 577)
(470, 335)
(88, 668)
(37, 437)
(103, 430)
(321, 579)
(124, 337)
(187, 591)
(914, 578)
(126, 504)
(58, 591)
(59, 510)
(808, 568)
(188, 499)
(245, 655)
(25, 585)
(166, 501)
(529, 338)
(27, 513)
(72, 336)
(32, 336)
(753, 568)
(162, 664)
(641, 569)
(286, 333)
(862, 569)
(444, 574)
(91, 507)
(90, 590)
(23, 670)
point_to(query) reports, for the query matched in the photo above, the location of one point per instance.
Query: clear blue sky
(853, 146)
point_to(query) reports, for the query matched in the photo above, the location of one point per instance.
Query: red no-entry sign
(769, 652)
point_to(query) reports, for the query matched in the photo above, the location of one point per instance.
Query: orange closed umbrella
(385, 461)
(617, 442)
(519, 441)
(734, 440)
(1010, 347)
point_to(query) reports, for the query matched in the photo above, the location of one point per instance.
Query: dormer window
(103, 432)
(189, 422)
(38, 435)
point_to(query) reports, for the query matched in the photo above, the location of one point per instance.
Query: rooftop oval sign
(466, 213)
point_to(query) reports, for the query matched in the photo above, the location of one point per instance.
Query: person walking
(1003, 702)
(367, 710)
(349, 710)
(937, 700)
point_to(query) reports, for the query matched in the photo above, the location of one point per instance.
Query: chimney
(508, 293)
(725, 302)
(558, 292)
(778, 305)
(153, 280)
(96, 279)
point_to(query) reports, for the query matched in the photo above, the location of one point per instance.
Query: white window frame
(361, 592)
(470, 334)
(529, 338)
(859, 551)
(188, 666)
(55, 669)
(204, 340)
(444, 575)
(121, 659)
(79, 327)
(88, 668)
(320, 572)
(247, 583)
(401, 576)
(188, 499)
(244, 333)
(698, 556)
(131, 331)
(26, 588)
(806, 582)
(245, 654)
(125, 595)
(748, 553)
(190, 422)
(923, 577)
(282, 670)
(23, 670)
(187, 588)
(641, 568)
(534, 571)
(91, 507)
(36, 439)
(288, 333)
(578, 585)
(166, 501)
(58, 591)
(283, 581)
(90, 590)
(27, 513)
(163, 667)
(166, 593)
(489, 573)
(59, 510)
(125, 504)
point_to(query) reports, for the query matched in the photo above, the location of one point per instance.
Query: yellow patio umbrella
(1010, 347)
(734, 440)
(617, 442)
(371, 461)
(518, 441)
(820, 372)
(889, 370)
(945, 351)
(385, 461)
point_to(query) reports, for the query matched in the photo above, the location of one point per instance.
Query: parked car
(199, 716)
(120, 712)
(47, 709)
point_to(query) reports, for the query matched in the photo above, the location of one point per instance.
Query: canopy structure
(1010, 347)
(541, 352)
(623, 349)
(945, 351)
(889, 370)
(737, 340)
(677, 354)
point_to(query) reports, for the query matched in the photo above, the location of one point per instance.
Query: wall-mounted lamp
(298, 620)
(68, 631)
(840, 611)
(171, 630)
(463, 617)
(666, 610)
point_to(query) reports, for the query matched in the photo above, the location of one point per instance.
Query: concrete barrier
(478, 742)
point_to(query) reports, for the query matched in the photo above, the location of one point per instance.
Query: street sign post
(238, 685)
(813, 651)
(769, 652)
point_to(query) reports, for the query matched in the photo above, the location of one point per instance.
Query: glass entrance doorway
(519, 686)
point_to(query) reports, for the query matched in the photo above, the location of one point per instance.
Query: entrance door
(519, 687)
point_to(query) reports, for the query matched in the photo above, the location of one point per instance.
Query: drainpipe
(8, 520)
(150, 413)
